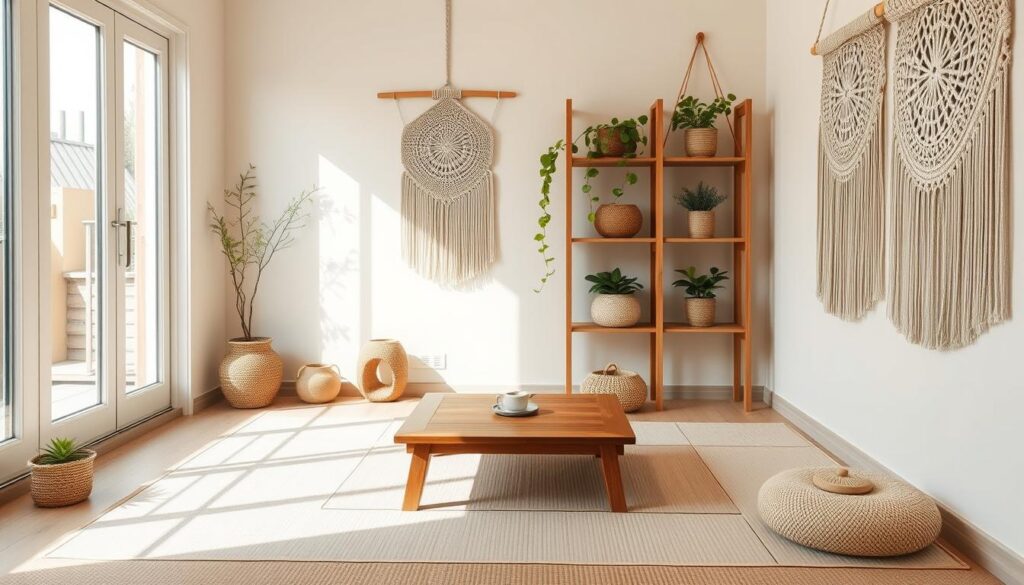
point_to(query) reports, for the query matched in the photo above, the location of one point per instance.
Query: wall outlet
(428, 361)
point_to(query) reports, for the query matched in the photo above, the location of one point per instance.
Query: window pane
(141, 207)
(7, 391)
(75, 262)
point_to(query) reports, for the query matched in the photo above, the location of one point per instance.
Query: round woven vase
(610, 142)
(701, 141)
(318, 383)
(614, 220)
(702, 224)
(382, 351)
(63, 484)
(700, 312)
(615, 310)
(250, 375)
(627, 386)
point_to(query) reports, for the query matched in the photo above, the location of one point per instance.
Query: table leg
(417, 477)
(613, 478)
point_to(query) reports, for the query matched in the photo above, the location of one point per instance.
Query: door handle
(127, 225)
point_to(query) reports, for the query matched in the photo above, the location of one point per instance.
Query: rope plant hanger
(949, 272)
(700, 45)
(448, 204)
(851, 191)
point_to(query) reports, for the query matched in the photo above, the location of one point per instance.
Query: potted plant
(700, 292)
(614, 220)
(250, 374)
(615, 305)
(62, 474)
(700, 204)
(698, 120)
(618, 138)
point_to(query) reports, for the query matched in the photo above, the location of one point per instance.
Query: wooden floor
(27, 533)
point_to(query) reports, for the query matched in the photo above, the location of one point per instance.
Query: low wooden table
(587, 424)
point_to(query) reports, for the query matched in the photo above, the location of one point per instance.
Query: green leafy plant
(61, 450)
(701, 286)
(702, 198)
(613, 283)
(250, 244)
(630, 132)
(690, 112)
(630, 178)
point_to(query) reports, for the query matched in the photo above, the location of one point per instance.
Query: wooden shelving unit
(740, 242)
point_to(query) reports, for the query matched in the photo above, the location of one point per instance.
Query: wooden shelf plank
(728, 240)
(640, 161)
(595, 328)
(704, 161)
(614, 240)
(716, 328)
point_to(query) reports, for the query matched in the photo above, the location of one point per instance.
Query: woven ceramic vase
(318, 383)
(615, 310)
(250, 375)
(701, 141)
(627, 386)
(62, 484)
(700, 312)
(702, 224)
(614, 220)
(382, 351)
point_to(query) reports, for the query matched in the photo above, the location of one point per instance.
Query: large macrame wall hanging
(949, 270)
(851, 192)
(448, 203)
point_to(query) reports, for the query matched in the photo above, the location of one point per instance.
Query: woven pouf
(375, 352)
(891, 519)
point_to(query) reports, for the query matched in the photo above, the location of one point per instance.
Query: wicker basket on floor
(62, 484)
(627, 386)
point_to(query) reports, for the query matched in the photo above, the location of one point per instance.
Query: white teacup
(514, 401)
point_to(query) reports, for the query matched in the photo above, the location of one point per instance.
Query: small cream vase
(318, 383)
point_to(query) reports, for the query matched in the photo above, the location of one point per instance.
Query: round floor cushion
(892, 519)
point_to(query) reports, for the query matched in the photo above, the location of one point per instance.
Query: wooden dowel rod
(391, 95)
(879, 11)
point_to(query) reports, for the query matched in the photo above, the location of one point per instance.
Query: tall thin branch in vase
(250, 244)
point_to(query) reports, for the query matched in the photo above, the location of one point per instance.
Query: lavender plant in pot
(250, 374)
(700, 203)
(700, 294)
(615, 304)
(697, 118)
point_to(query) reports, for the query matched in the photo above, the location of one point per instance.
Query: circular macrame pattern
(447, 150)
(853, 79)
(950, 52)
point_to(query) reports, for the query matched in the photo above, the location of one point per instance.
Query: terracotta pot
(701, 141)
(250, 375)
(702, 224)
(615, 310)
(614, 220)
(62, 484)
(610, 142)
(391, 353)
(700, 312)
(318, 383)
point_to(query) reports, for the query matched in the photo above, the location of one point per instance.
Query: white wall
(301, 81)
(949, 422)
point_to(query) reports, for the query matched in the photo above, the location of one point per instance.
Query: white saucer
(531, 409)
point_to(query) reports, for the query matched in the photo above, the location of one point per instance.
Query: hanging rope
(714, 81)
(447, 42)
(821, 25)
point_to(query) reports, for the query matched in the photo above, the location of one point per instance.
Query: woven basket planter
(701, 141)
(627, 386)
(615, 310)
(702, 224)
(700, 312)
(610, 142)
(371, 356)
(250, 375)
(613, 220)
(63, 484)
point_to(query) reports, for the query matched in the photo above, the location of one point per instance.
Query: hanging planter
(698, 121)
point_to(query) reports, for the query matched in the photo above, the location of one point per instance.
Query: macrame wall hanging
(448, 203)
(851, 193)
(949, 270)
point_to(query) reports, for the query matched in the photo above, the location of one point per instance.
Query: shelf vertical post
(568, 246)
(658, 261)
(748, 169)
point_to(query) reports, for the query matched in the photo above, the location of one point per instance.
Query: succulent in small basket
(698, 120)
(701, 202)
(615, 304)
(700, 292)
(62, 473)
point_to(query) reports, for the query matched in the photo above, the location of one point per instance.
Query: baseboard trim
(986, 551)
(208, 399)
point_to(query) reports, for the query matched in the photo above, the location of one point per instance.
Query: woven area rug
(310, 484)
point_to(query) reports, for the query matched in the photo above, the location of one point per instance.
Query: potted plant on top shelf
(250, 374)
(615, 305)
(697, 118)
(700, 203)
(700, 291)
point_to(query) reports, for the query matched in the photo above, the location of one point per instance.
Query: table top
(563, 419)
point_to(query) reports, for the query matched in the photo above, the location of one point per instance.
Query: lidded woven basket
(627, 386)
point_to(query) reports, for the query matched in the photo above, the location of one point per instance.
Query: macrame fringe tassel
(448, 242)
(949, 270)
(851, 220)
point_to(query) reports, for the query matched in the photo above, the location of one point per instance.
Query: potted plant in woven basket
(697, 118)
(62, 474)
(250, 374)
(700, 203)
(700, 294)
(613, 220)
(615, 304)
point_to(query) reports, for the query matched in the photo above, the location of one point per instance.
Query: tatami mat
(742, 435)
